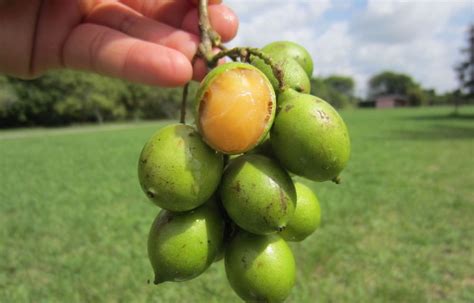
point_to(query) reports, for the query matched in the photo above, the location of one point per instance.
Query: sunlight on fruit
(235, 110)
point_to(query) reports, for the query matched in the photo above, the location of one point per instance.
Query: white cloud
(419, 37)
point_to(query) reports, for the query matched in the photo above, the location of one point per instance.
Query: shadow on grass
(436, 132)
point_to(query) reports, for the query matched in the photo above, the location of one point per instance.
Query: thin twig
(244, 53)
(182, 118)
(209, 37)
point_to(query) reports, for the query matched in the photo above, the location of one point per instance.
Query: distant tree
(343, 84)
(392, 83)
(337, 90)
(465, 69)
(8, 102)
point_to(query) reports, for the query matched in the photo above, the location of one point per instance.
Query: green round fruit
(307, 216)
(309, 137)
(177, 170)
(258, 194)
(183, 245)
(260, 268)
(235, 107)
(288, 49)
(294, 75)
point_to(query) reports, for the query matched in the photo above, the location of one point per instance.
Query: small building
(390, 101)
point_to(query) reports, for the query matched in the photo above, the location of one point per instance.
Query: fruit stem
(244, 53)
(209, 37)
(182, 118)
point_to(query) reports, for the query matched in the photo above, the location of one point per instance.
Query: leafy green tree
(392, 83)
(343, 84)
(337, 90)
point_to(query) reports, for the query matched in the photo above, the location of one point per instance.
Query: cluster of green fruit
(225, 186)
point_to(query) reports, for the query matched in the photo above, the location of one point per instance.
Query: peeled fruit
(258, 194)
(177, 170)
(307, 216)
(309, 137)
(294, 75)
(235, 107)
(260, 268)
(183, 245)
(288, 49)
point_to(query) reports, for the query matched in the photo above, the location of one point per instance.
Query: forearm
(17, 36)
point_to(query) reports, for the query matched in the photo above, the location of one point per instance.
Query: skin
(309, 138)
(183, 245)
(288, 49)
(258, 194)
(177, 170)
(150, 42)
(307, 216)
(294, 75)
(260, 268)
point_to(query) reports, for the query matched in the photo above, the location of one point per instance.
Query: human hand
(150, 42)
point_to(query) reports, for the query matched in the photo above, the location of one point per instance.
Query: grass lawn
(400, 228)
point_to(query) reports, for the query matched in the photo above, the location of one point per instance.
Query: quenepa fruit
(309, 137)
(177, 170)
(253, 206)
(294, 75)
(183, 245)
(260, 268)
(258, 194)
(235, 107)
(288, 49)
(307, 216)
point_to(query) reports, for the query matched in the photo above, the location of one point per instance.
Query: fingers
(200, 67)
(132, 23)
(106, 51)
(184, 14)
(223, 20)
(170, 12)
(124, 19)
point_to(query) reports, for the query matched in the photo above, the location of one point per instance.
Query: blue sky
(360, 38)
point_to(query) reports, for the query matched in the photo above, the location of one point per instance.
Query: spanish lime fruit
(288, 49)
(293, 74)
(258, 194)
(309, 137)
(177, 170)
(183, 245)
(307, 216)
(260, 268)
(235, 107)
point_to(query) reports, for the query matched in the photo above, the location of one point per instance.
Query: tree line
(65, 97)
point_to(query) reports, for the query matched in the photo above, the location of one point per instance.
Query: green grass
(400, 228)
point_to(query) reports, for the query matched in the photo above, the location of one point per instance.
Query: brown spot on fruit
(288, 107)
(283, 202)
(236, 187)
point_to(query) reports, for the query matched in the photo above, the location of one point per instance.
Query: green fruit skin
(177, 170)
(183, 245)
(211, 76)
(258, 194)
(309, 137)
(260, 268)
(294, 75)
(307, 216)
(288, 49)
